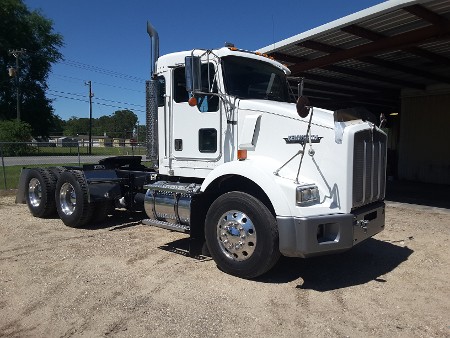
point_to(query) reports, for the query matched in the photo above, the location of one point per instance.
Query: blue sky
(106, 41)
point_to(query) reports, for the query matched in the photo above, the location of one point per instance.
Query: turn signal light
(192, 101)
(242, 154)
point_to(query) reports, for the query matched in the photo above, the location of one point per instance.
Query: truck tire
(40, 193)
(72, 199)
(57, 171)
(242, 235)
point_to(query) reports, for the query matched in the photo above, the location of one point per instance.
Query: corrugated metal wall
(424, 145)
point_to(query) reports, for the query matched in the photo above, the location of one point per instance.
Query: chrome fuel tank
(170, 202)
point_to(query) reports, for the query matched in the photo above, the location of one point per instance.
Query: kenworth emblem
(302, 139)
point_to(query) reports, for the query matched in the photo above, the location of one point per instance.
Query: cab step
(166, 225)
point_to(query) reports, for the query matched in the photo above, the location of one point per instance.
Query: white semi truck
(248, 171)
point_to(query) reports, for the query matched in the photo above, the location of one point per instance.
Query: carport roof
(367, 58)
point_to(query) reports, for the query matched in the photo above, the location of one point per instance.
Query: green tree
(141, 133)
(12, 132)
(22, 28)
(76, 126)
(56, 125)
(121, 123)
(124, 122)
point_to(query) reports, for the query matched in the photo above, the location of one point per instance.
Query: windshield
(354, 113)
(252, 79)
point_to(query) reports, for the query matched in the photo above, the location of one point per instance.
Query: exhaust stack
(154, 47)
(151, 90)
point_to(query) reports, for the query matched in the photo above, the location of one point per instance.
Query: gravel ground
(125, 279)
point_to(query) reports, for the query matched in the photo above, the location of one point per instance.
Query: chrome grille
(369, 167)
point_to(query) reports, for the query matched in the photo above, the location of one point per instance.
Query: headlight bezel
(306, 195)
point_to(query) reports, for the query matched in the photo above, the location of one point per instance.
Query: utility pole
(137, 132)
(16, 73)
(91, 95)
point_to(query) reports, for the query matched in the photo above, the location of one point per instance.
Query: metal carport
(392, 58)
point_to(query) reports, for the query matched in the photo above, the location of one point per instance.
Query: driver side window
(206, 103)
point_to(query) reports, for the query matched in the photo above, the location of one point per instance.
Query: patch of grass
(9, 176)
(113, 151)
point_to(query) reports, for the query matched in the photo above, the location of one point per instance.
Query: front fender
(261, 171)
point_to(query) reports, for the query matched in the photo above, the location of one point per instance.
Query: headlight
(307, 195)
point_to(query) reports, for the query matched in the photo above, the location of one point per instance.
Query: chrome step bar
(166, 225)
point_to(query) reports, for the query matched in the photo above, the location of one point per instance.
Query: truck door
(196, 130)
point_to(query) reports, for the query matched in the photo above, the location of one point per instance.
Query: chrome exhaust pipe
(154, 47)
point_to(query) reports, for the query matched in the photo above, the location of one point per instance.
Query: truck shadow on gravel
(367, 262)
(120, 219)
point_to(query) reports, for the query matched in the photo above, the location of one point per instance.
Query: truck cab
(228, 120)
(246, 167)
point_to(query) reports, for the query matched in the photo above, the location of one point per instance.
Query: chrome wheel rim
(35, 192)
(236, 235)
(68, 199)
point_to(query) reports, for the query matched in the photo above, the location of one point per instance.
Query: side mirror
(193, 73)
(303, 106)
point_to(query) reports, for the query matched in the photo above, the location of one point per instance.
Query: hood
(321, 117)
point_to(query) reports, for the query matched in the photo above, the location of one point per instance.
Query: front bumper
(326, 234)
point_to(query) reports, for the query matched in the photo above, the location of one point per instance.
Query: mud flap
(21, 189)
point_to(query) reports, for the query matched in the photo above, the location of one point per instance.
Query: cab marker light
(242, 154)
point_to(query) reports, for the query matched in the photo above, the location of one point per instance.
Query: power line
(119, 87)
(98, 83)
(97, 98)
(66, 97)
(126, 108)
(57, 91)
(86, 66)
(98, 68)
(97, 103)
(103, 71)
(69, 77)
(126, 103)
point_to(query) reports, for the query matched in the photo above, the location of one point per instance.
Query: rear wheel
(242, 235)
(72, 199)
(40, 194)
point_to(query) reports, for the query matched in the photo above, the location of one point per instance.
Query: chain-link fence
(17, 155)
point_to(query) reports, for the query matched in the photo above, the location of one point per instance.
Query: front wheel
(242, 235)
